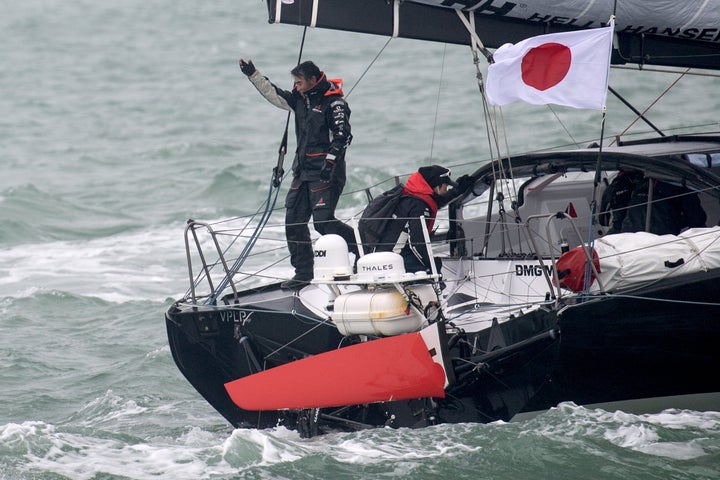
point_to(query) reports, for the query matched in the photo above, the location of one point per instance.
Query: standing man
(323, 134)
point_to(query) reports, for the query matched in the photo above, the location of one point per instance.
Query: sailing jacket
(322, 125)
(404, 234)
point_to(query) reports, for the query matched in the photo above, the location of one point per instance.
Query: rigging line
(277, 177)
(682, 74)
(513, 194)
(490, 126)
(278, 173)
(658, 299)
(345, 193)
(593, 206)
(270, 204)
(507, 153)
(296, 314)
(572, 139)
(470, 26)
(437, 102)
(203, 274)
(635, 110)
(500, 177)
(475, 46)
(239, 234)
(367, 69)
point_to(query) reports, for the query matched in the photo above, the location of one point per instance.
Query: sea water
(121, 120)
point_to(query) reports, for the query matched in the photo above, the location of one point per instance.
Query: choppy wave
(121, 267)
(567, 442)
(30, 215)
(120, 121)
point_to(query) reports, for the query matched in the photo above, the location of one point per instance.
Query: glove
(247, 67)
(326, 172)
(327, 169)
(464, 183)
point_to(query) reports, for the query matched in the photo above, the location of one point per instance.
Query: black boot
(297, 282)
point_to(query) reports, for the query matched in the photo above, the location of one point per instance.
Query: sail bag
(630, 259)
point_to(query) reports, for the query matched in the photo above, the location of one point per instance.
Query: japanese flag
(569, 68)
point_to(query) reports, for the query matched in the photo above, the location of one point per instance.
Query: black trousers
(316, 199)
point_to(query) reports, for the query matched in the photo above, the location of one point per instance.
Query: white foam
(645, 439)
(674, 450)
(632, 436)
(147, 264)
(140, 265)
(640, 433)
(682, 419)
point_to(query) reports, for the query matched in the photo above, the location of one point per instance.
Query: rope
(593, 206)
(275, 182)
(278, 172)
(367, 69)
(437, 102)
(269, 206)
(651, 104)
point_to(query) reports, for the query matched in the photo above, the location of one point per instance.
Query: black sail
(686, 35)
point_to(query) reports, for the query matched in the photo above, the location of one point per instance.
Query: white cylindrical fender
(382, 311)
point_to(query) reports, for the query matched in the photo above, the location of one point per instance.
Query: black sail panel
(681, 37)
(412, 20)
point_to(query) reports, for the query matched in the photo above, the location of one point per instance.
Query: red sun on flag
(546, 65)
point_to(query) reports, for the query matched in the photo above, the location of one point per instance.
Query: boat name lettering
(706, 34)
(693, 33)
(488, 7)
(554, 19)
(235, 316)
(523, 11)
(321, 253)
(530, 270)
(377, 268)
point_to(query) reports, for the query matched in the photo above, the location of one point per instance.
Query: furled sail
(670, 33)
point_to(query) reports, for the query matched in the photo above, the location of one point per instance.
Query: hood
(417, 185)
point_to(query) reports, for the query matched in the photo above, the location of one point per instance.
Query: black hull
(603, 350)
(630, 347)
(214, 346)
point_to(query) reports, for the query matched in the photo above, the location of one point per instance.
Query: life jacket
(335, 87)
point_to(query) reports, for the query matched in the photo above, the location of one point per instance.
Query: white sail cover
(628, 259)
